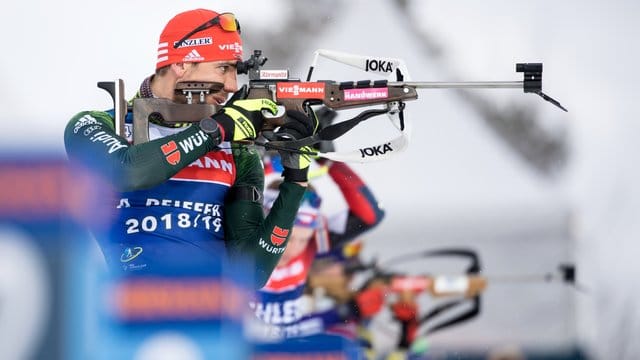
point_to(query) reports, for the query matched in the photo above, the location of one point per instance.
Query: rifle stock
(169, 111)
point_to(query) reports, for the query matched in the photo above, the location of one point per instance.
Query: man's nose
(231, 84)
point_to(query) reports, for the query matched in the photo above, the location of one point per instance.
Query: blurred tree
(545, 150)
(285, 43)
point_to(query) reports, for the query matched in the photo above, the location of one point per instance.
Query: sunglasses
(226, 21)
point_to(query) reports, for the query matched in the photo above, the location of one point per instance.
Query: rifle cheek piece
(185, 91)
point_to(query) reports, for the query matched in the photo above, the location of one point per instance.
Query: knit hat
(211, 44)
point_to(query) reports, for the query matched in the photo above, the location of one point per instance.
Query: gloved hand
(407, 314)
(240, 118)
(405, 311)
(298, 125)
(369, 302)
(325, 117)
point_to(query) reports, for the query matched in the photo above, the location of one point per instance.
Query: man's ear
(179, 69)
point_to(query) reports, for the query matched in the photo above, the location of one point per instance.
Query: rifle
(293, 94)
(460, 291)
(466, 288)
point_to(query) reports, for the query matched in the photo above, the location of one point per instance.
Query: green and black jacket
(181, 197)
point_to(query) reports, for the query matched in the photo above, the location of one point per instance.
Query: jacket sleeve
(90, 140)
(364, 212)
(248, 233)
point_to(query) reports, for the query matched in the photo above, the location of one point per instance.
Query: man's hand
(297, 126)
(369, 302)
(325, 116)
(241, 118)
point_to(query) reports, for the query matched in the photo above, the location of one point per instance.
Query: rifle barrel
(521, 278)
(460, 84)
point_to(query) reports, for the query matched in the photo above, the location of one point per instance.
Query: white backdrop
(457, 184)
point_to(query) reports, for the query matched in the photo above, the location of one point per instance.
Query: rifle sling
(329, 133)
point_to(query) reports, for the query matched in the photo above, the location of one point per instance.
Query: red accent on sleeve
(222, 133)
(279, 235)
(351, 187)
(280, 231)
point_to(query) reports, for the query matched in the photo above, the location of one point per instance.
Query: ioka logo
(279, 235)
(378, 65)
(300, 90)
(171, 152)
(130, 254)
(376, 150)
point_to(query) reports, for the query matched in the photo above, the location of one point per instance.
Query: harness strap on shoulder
(250, 193)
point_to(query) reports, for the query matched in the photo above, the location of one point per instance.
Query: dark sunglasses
(227, 22)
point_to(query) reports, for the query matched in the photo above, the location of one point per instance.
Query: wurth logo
(279, 235)
(171, 152)
(193, 141)
(193, 55)
(270, 248)
(300, 90)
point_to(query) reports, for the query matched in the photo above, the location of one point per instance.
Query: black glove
(325, 117)
(297, 126)
(240, 118)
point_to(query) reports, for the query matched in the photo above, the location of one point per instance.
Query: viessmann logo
(235, 47)
(300, 90)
